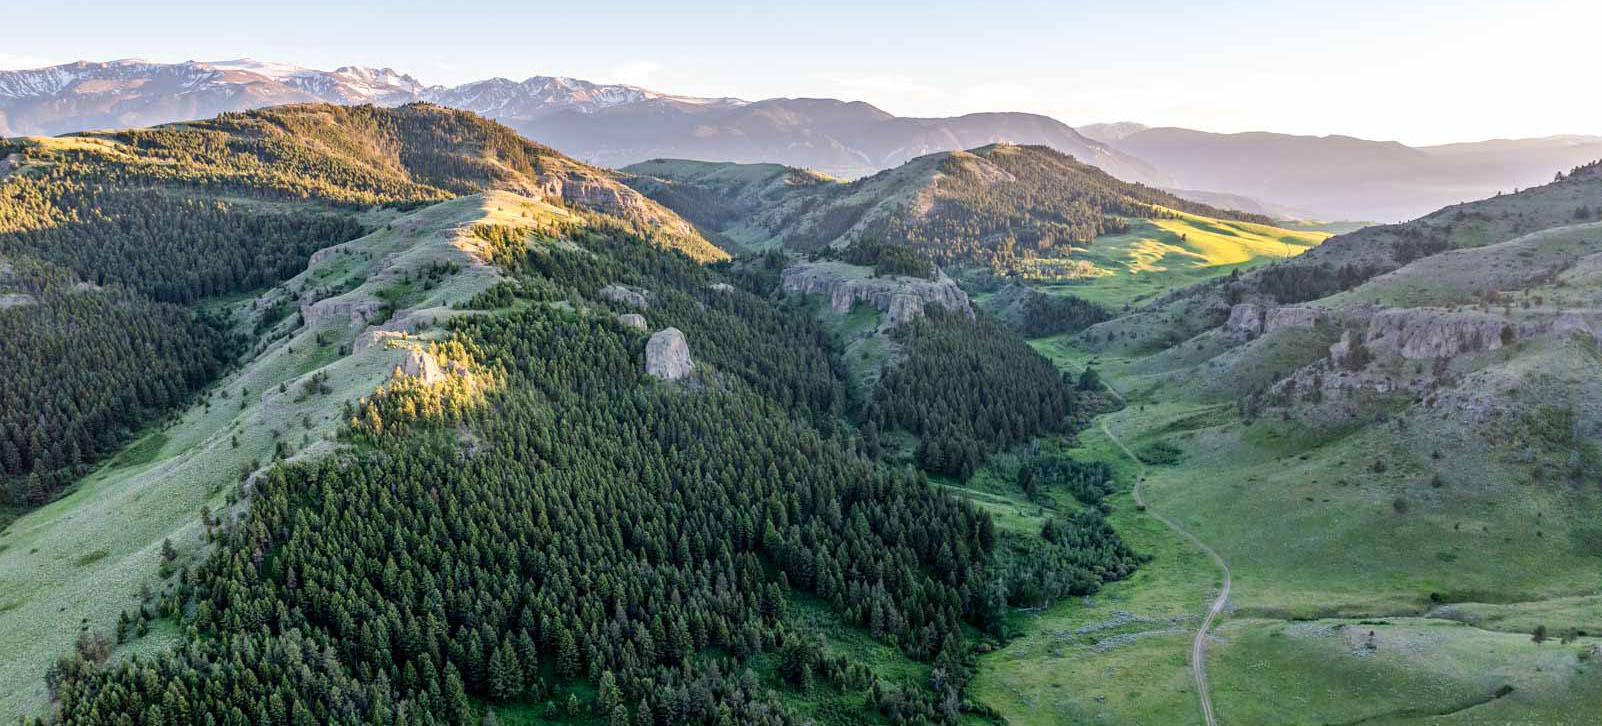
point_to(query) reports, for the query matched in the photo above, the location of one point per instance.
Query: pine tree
(458, 708)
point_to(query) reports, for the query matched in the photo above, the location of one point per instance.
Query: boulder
(667, 355)
(633, 320)
(625, 296)
(722, 287)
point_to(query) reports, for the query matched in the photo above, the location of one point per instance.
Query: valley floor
(1343, 610)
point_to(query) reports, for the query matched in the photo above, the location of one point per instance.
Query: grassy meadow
(1158, 255)
(1451, 553)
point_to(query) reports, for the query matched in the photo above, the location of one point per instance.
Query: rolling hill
(1027, 211)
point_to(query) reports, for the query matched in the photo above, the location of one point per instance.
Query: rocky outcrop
(355, 311)
(15, 299)
(903, 298)
(591, 189)
(1430, 333)
(1249, 320)
(722, 287)
(625, 296)
(667, 355)
(324, 254)
(1245, 320)
(633, 320)
(372, 337)
(1289, 317)
(419, 364)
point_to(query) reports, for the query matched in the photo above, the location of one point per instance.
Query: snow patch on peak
(275, 71)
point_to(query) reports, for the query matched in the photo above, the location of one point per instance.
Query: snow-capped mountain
(540, 95)
(84, 95)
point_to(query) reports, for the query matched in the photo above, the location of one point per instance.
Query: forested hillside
(99, 232)
(518, 521)
(594, 538)
(990, 206)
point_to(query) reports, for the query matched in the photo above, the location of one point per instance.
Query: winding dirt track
(1198, 647)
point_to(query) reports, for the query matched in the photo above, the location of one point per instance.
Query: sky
(1415, 71)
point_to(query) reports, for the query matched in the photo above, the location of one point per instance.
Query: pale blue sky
(1418, 71)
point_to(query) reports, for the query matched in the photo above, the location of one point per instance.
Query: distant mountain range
(1330, 177)
(612, 125)
(1344, 177)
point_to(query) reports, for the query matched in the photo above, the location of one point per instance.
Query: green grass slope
(1444, 502)
(1159, 255)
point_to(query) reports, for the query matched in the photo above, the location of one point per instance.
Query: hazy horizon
(1419, 75)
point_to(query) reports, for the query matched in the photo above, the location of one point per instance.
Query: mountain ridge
(607, 124)
(998, 204)
(1341, 177)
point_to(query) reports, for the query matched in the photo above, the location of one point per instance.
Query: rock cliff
(902, 298)
(1431, 333)
(1249, 320)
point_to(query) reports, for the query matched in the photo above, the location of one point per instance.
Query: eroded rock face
(633, 320)
(1288, 317)
(667, 355)
(588, 189)
(1427, 333)
(419, 364)
(355, 311)
(1249, 320)
(625, 296)
(1245, 319)
(903, 298)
